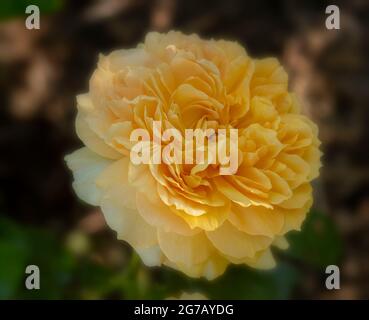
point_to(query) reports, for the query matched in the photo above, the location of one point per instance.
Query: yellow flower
(189, 217)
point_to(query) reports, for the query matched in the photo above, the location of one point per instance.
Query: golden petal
(235, 243)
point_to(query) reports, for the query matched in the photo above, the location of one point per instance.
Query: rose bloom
(189, 217)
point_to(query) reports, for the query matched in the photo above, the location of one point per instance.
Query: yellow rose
(189, 217)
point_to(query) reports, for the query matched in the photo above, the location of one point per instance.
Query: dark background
(41, 71)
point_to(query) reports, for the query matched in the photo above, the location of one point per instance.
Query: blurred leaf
(318, 243)
(13, 256)
(239, 282)
(132, 282)
(246, 283)
(55, 263)
(62, 274)
(90, 281)
(16, 8)
(21, 246)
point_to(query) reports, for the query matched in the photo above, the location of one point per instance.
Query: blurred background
(41, 71)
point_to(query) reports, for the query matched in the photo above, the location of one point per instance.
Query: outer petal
(87, 135)
(210, 269)
(234, 243)
(114, 182)
(257, 220)
(128, 224)
(151, 256)
(281, 243)
(119, 207)
(263, 260)
(299, 199)
(86, 167)
(294, 218)
(186, 250)
(92, 140)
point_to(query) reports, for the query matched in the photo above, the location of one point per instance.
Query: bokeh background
(41, 71)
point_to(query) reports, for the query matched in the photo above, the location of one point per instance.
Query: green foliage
(16, 8)
(238, 282)
(22, 246)
(246, 283)
(318, 244)
(13, 257)
(55, 262)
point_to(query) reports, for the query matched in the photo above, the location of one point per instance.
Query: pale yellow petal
(294, 218)
(281, 243)
(186, 250)
(92, 140)
(128, 223)
(257, 220)
(299, 198)
(160, 216)
(114, 181)
(86, 166)
(151, 256)
(210, 269)
(235, 243)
